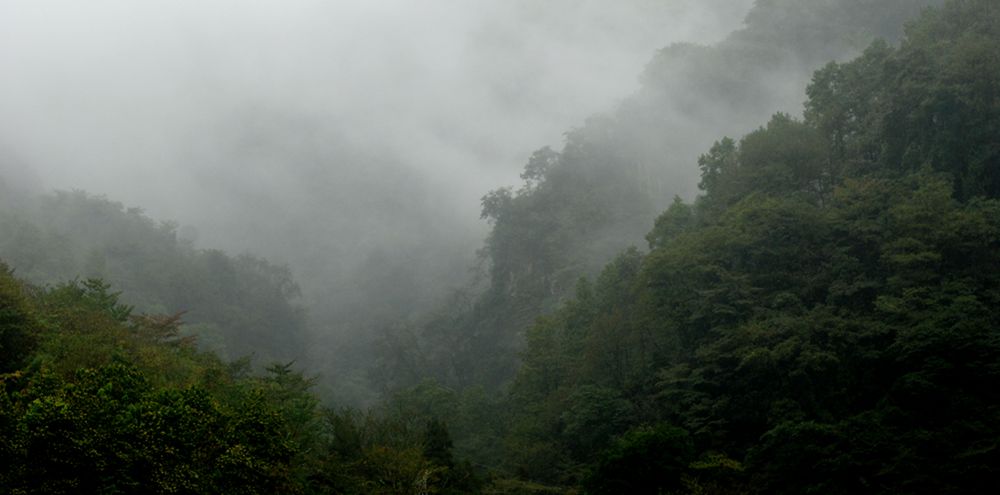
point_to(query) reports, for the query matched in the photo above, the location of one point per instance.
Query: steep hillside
(822, 319)
(580, 206)
(237, 305)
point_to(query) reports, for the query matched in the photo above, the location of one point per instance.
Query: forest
(704, 290)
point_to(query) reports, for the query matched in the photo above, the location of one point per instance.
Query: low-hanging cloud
(315, 131)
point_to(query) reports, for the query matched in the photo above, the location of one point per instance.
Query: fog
(311, 131)
(351, 140)
(499, 246)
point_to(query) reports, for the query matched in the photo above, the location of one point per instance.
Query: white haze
(129, 98)
(351, 139)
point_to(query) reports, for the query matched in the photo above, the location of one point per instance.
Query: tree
(18, 326)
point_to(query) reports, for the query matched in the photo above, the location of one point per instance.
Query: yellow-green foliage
(110, 402)
(18, 322)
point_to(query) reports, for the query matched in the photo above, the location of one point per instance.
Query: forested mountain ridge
(580, 206)
(821, 318)
(236, 305)
(94, 399)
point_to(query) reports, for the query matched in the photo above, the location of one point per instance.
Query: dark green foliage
(109, 431)
(822, 320)
(678, 218)
(437, 444)
(18, 326)
(930, 103)
(646, 460)
(786, 157)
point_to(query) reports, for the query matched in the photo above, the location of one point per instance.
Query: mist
(353, 141)
(499, 246)
(313, 131)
